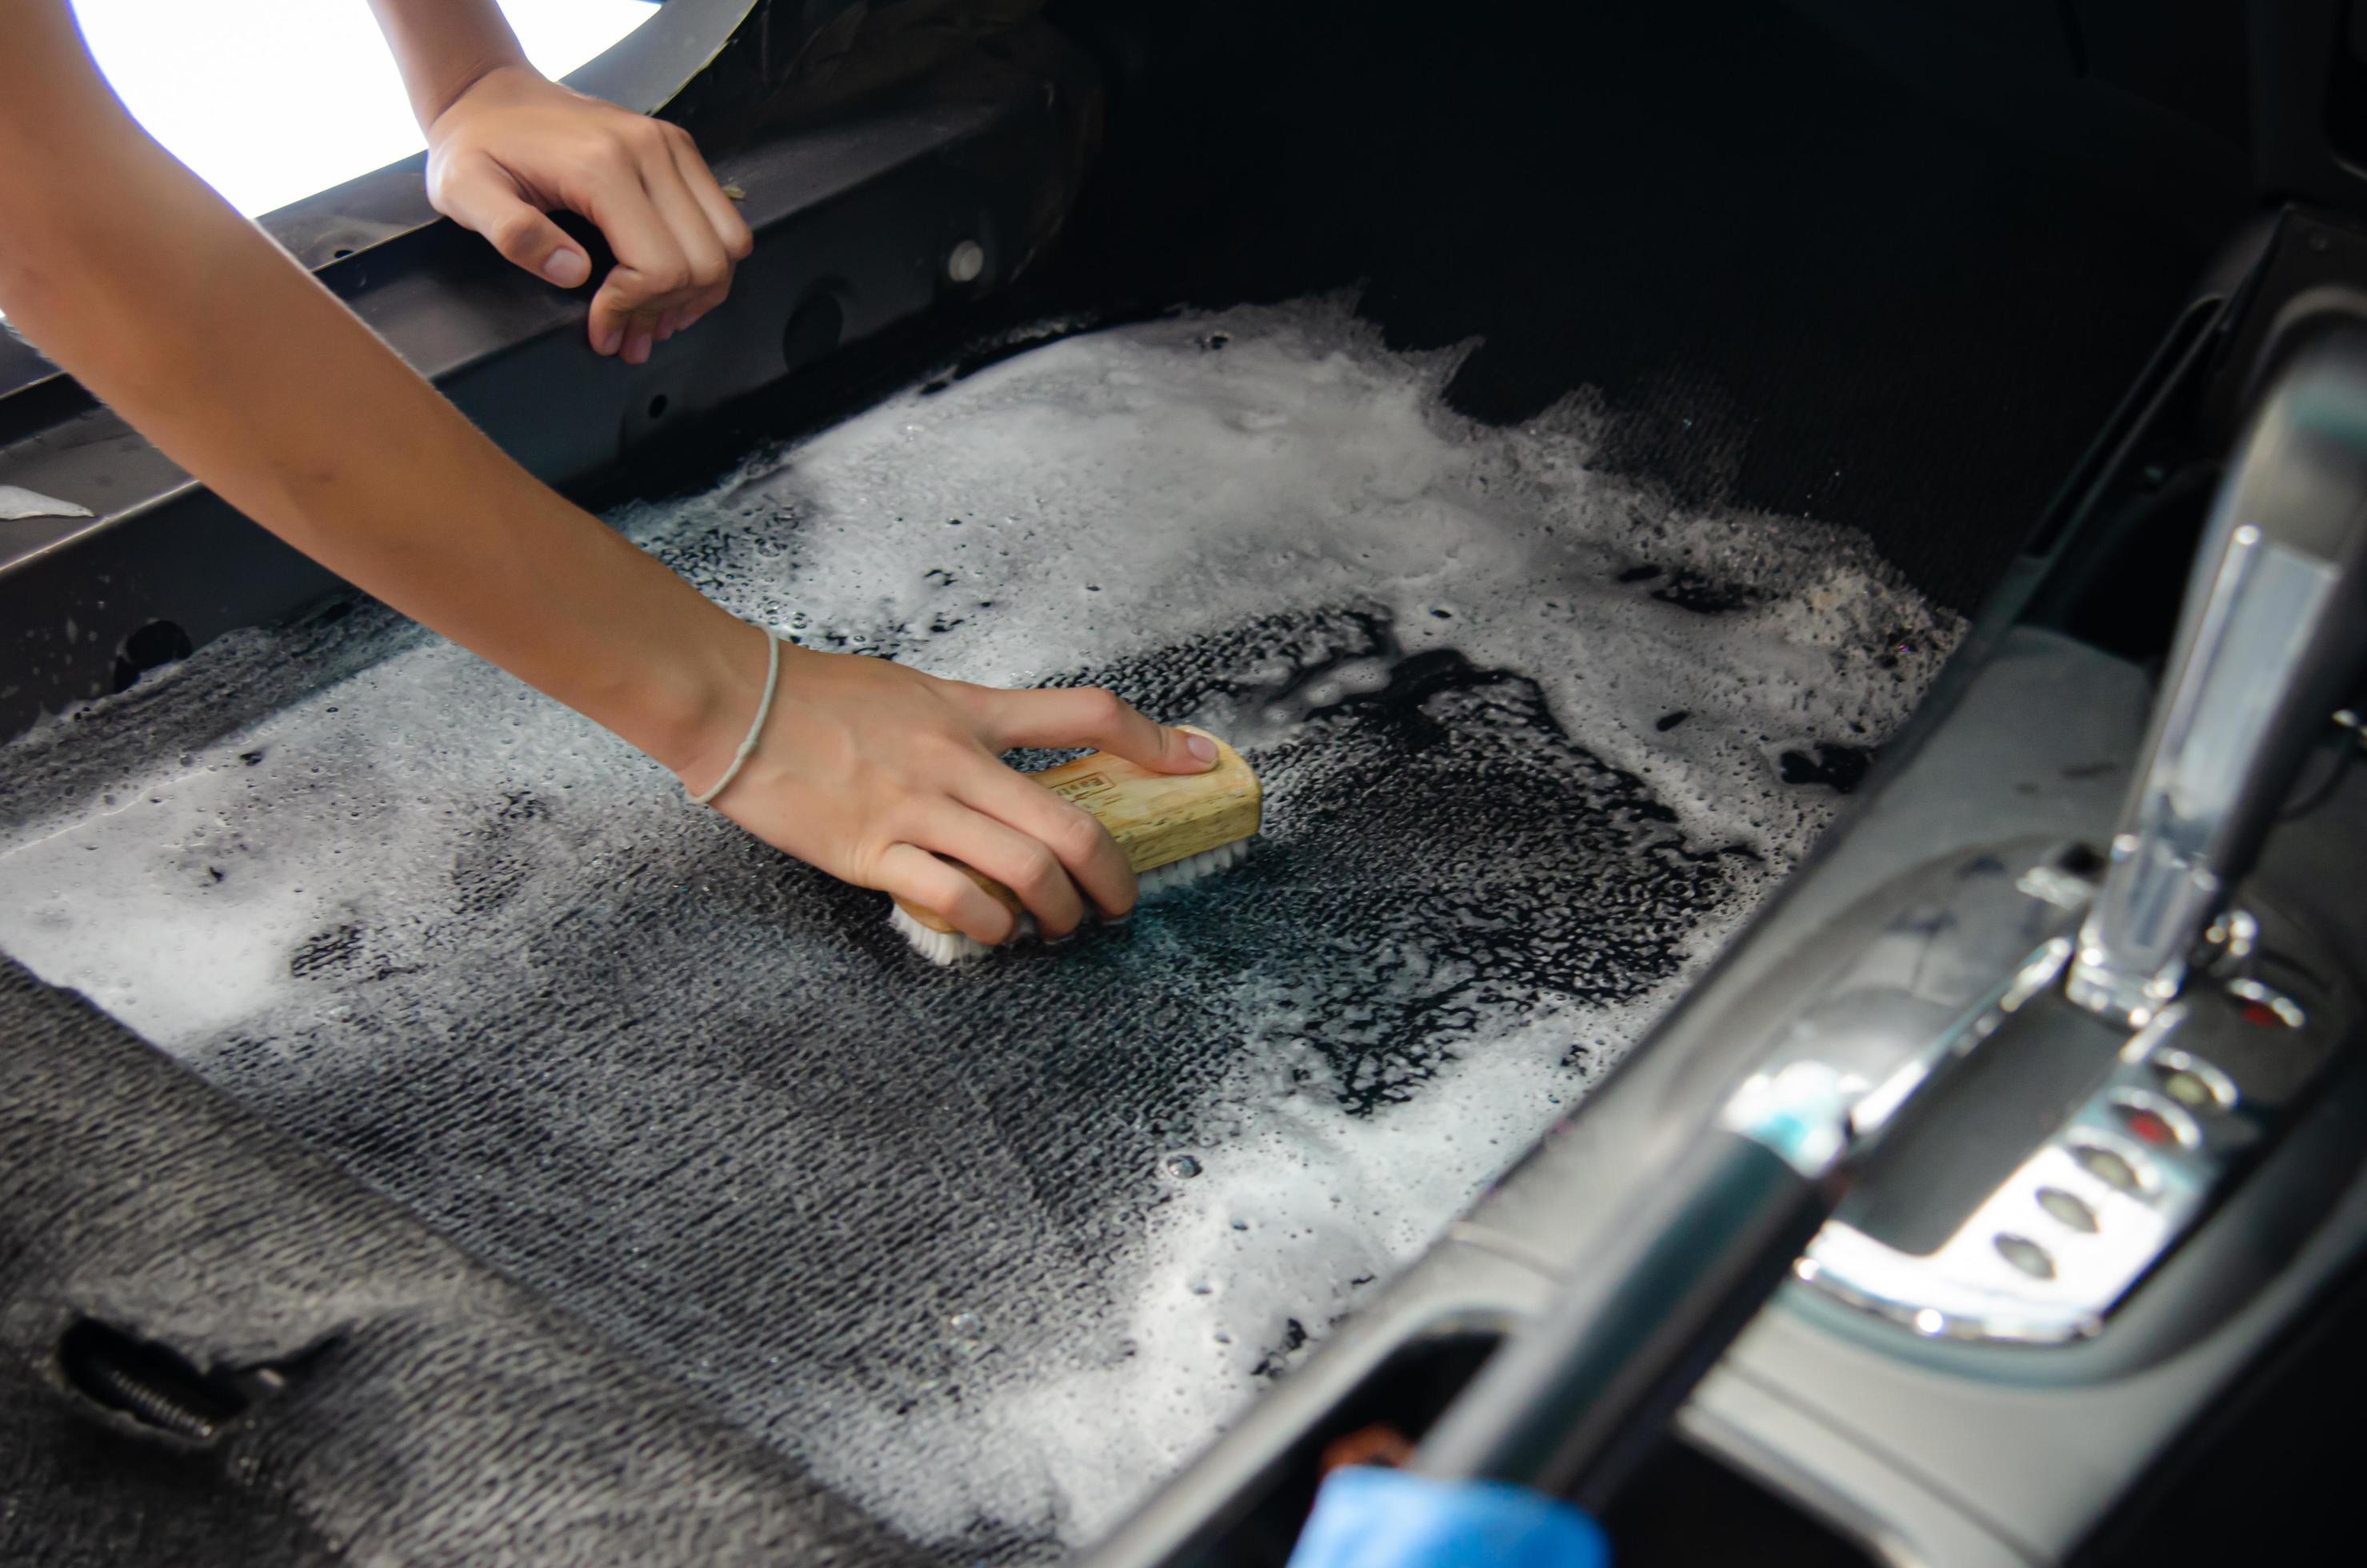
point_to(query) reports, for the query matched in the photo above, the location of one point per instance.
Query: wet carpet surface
(993, 1250)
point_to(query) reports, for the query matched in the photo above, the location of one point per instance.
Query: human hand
(514, 146)
(872, 770)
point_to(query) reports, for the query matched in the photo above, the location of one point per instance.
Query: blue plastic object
(1367, 1518)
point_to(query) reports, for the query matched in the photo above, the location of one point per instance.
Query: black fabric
(432, 1412)
(704, 1099)
(708, 1101)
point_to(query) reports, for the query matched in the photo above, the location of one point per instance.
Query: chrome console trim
(2046, 1258)
(1940, 978)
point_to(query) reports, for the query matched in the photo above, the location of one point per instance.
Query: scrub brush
(1174, 827)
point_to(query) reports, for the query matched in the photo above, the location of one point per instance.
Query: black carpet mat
(428, 1412)
(993, 1251)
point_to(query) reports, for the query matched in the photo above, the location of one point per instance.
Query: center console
(1991, 1163)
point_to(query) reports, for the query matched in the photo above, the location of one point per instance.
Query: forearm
(188, 322)
(445, 47)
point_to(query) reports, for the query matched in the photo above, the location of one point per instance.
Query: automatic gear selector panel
(2026, 1206)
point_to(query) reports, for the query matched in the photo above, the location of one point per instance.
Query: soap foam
(994, 1251)
(1291, 1213)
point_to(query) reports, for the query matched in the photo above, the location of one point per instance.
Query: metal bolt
(965, 261)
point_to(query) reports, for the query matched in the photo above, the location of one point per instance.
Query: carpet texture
(433, 1412)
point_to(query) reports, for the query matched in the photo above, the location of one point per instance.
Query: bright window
(272, 101)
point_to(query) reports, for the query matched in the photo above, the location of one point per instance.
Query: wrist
(707, 703)
(474, 77)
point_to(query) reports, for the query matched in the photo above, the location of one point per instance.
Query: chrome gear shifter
(2271, 635)
(2148, 1092)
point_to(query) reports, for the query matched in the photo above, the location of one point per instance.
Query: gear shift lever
(2273, 629)
(2272, 633)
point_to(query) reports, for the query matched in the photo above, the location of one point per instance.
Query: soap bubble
(483, 953)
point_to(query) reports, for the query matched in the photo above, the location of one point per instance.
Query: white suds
(1088, 503)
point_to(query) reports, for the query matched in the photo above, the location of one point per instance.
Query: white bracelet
(756, 726)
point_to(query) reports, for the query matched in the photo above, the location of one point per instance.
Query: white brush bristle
(1191, 868)
(937, 947)
(950, 948)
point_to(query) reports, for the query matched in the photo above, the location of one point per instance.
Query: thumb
(1088, 716)
(482, 200)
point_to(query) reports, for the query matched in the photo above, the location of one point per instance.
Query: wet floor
(993, 1249)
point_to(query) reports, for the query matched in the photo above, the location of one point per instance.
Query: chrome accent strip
(1967, 1288)
(1838, 1077)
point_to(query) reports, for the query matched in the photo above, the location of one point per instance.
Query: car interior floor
(1559, 452)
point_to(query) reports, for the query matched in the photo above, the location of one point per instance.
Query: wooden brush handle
(1157, 818)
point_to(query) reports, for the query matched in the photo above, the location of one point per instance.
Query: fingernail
(567, 267)
(636, 349)
(611, 340)
(666, 324)
(1201, 746)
